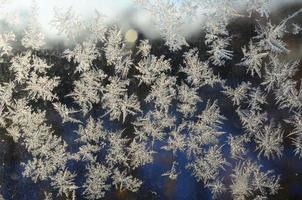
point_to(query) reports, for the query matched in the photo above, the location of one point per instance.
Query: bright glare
(131, 36)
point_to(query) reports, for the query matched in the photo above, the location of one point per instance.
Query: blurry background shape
(131, 36)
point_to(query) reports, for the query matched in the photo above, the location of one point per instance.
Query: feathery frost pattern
(93, 114)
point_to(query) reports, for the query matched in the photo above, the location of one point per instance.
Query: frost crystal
(269, 141)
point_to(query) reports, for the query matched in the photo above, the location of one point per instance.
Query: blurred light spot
(131, 36)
